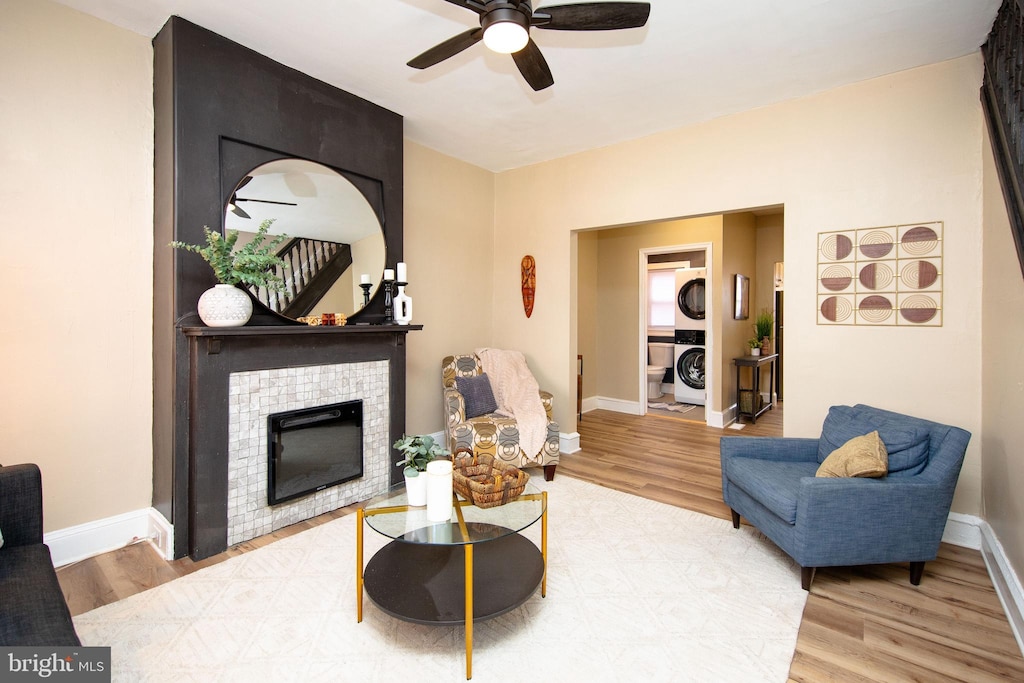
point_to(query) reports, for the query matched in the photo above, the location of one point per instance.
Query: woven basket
(485, 481)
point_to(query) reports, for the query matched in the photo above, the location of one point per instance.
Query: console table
(754, 363)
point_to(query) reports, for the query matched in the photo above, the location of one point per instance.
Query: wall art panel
(881, 276)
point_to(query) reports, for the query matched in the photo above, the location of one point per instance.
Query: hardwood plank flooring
(860, 624)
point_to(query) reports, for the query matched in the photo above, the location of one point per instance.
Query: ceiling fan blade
(264, 201)
(592, 16)
(448, 48)
(238, 211)
(475, 5)
(533, 66)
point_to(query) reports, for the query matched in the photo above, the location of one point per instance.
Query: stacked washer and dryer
(691, 334)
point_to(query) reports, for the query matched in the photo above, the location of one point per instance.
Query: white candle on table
(364, 278)
(401, 272)
(389, 274)
(439, 490)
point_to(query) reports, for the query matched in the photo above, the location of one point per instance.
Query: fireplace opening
(313, 448)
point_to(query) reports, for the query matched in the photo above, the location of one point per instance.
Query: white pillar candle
(389, 274)
(364, 278)
(439, 490)
(401, 272)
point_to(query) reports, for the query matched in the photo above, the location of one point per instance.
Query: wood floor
(860, 624)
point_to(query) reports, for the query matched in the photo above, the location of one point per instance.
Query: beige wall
(76, 187)
(1002, 433)
(902, 148)
(770, 237)
(449, 246)
(739, 255)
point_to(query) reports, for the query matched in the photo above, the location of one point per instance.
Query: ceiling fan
(505, 27)
(234, 208)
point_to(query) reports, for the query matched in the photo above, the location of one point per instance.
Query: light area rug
(637, 590)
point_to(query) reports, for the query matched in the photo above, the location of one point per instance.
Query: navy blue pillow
(476, 391)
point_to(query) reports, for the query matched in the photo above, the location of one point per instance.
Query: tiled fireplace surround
(254, 395)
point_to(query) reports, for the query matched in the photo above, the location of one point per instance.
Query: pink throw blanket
(518, 395)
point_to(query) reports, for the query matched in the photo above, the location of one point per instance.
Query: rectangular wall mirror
(741, 286)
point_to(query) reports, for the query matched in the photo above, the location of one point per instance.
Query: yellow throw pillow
(861, 456)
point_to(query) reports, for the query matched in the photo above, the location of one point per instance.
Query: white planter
(755, 352)
(416, 489)
(225, 306)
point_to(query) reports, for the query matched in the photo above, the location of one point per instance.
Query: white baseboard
(963, 530)
(969, 531)
(1005, 580)
(618, 405)
(103, 535)
(569, 442)
(716, 419)
(590, 403)
(161, 534)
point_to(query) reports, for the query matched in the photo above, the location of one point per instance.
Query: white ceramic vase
(403, 307)
(416, 489)
(756, 351)
(225, 306)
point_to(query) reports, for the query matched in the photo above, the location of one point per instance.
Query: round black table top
(426, 583)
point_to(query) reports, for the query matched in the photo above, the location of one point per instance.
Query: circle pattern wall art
(881, 276)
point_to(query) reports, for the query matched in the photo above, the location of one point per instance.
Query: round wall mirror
(334, 239)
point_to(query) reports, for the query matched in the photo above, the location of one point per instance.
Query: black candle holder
(389, 303)
(366, 287)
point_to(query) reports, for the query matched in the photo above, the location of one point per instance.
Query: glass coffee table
(474, 566)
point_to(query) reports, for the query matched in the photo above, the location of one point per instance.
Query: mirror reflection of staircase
(313, 266)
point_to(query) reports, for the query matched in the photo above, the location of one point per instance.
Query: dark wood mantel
(212, 355)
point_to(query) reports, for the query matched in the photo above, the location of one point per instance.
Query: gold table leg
(469, 610)
(359, 565)
(544, 546)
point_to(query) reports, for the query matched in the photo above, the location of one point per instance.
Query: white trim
(103, 535)
(569, 442)
(618, 405)
(161, 534)
(963, 530)
(1006, 581)
(709, 346)
(969, 531)
(591, 403)
(715, 419)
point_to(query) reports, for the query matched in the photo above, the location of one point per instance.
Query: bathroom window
(661, 298)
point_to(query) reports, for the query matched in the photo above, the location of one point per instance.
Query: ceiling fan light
(506, 37)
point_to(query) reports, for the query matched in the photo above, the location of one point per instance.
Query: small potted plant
(763, 328)
(418, 451)
(755, 346)
(225, 305)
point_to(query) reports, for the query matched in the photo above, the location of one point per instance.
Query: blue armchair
(830, 522)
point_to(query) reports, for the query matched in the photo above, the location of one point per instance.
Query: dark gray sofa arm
(21, 505)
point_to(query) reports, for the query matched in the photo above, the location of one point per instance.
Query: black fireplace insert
(311, 449)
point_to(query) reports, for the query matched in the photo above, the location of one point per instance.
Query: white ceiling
(694, 61)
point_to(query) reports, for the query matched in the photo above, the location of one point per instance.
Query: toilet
(660, 356)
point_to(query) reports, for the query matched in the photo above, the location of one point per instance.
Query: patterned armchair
(491, 433)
